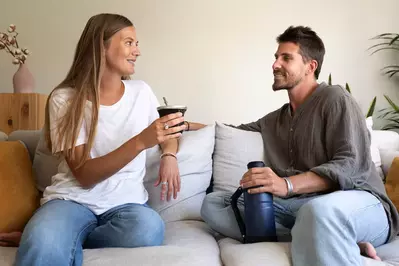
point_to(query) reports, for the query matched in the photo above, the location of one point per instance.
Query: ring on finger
(165, 126)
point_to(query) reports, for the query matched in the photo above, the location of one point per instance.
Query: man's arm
(309, 182)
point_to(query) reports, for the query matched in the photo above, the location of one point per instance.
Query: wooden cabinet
(21, 111)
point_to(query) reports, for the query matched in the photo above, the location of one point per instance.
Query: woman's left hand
(169, 177)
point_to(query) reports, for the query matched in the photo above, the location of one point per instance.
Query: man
(319, 146)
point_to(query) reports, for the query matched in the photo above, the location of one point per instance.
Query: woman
(101, 124)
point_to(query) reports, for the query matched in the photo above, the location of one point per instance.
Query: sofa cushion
(29, 137)
(375, 152)
(3, 136)
(186, 243)
(233, 253)
(392, 182)
(18, 195)
(389, 252)
(195, 166)
(45, 165)
(234, 149)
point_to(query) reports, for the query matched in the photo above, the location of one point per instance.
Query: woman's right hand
(162, 130)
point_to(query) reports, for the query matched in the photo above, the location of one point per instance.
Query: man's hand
(265, 177)
(169, 177)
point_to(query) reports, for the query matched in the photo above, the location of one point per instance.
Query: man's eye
(129, 43)
(286, 58)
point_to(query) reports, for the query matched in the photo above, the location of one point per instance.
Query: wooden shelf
(22, 111)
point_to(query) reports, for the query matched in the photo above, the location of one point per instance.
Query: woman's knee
(146, 226)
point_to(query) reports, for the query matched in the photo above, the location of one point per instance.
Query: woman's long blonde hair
(84, 77)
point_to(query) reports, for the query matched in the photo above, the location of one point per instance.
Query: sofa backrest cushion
(234, 149)
(45, 165)
(195, 167)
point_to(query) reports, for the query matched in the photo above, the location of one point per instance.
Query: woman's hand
(162, 130)
(169, 177)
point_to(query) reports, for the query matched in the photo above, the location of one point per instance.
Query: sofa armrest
(387, 157)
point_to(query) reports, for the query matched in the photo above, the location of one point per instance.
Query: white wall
(213, 56)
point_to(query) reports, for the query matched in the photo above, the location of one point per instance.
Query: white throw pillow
(3, 136)
(234, 149)
(375, 152)
(195, 167)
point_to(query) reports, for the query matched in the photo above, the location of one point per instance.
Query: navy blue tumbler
(259, 225)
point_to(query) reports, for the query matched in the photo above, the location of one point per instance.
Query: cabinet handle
(9, 122)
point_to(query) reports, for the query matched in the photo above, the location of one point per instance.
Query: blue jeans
(60, 229)
(324, 229)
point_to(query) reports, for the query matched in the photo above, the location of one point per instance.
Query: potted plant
(23, 80)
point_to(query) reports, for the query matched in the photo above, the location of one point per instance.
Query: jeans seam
(382, 232)
(364, 208)
(76, 240)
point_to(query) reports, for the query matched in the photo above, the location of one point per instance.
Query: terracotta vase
(23, 80)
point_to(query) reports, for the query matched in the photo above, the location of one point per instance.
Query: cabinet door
(6, 123)
(22, 111)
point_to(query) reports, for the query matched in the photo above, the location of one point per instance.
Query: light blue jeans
(60, 229)
(325, 229)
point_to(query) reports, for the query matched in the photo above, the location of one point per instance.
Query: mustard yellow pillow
(19, 197)
(392, 182)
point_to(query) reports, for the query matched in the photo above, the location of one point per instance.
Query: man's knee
(319, 213)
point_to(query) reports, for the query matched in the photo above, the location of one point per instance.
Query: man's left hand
(265, 177)
(169, 177)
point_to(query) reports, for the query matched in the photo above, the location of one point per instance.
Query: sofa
(213, 158)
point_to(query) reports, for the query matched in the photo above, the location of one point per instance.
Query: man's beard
(285, 83)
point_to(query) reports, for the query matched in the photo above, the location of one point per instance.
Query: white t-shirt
(117, 123)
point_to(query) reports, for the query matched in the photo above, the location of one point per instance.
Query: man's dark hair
(311, 47)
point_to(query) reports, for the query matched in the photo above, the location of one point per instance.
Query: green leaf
(392, 104)
(383, 35)
(347, 88)
(397, 67)
(385, 48)
(381, 44)
(329, 80)
(395, 121)
(394, 40)
(372, 107)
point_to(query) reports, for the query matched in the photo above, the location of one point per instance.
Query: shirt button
(291, 129)
(291, 151)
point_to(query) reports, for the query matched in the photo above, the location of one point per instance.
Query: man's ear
(312, 67)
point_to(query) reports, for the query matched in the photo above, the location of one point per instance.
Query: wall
(213, 56)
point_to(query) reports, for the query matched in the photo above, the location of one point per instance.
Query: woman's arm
(93, 171)
(192, 126)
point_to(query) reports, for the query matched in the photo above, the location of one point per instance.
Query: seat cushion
(186, 243)
(233, 253)
(390, 252)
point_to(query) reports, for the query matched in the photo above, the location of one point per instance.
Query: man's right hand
(161, 130)
(10, 239)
